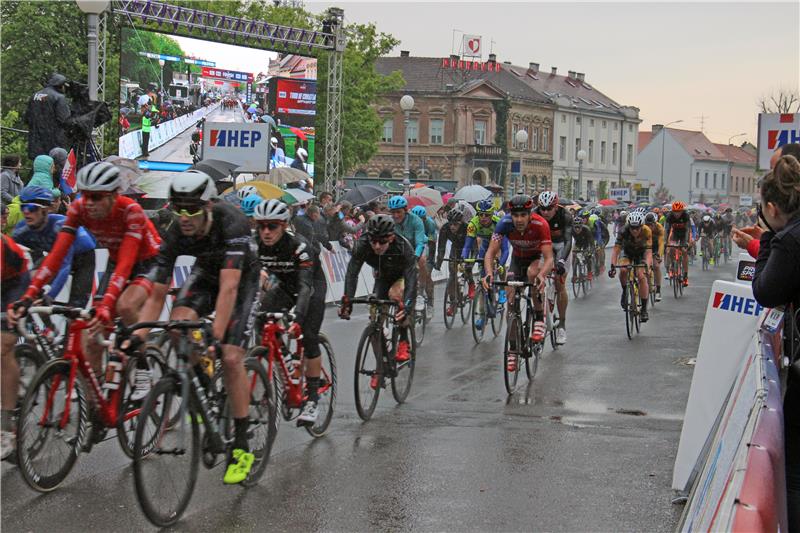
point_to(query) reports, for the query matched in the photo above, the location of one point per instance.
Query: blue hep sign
(234, 138)
(245, 145)
(736, 304)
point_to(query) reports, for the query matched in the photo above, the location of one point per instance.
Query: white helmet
(273, 141)
(302, 154)
(547, 199)
(272, 210)
(706, 218)
(99, 176)
(246, 191)
(635, 219)
(192, 186)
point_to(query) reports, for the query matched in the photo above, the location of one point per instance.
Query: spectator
(147, 126)
(59, 156)
(12, 182)
(47, 116)
(324, 199)
(277, 156)
(777, 282)
(43, 167)
(124, 124)
(309, 225)
(300, 159)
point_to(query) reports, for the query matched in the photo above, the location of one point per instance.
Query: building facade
(743, 183)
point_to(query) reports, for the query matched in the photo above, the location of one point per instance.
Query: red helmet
(677, 205)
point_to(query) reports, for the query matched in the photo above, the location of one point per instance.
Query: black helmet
(455, 215)
(520, 202)
(380, 225)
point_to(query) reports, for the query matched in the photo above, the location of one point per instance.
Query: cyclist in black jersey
(561, 235)
(224, 280)
(292, 277)
(395, 264)
(584, 241)
(454, 231)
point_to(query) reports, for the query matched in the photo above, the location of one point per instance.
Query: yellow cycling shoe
(239, 468)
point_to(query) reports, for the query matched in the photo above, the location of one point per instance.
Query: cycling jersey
(126, 232)
(527, 243)
(560, 232)
(658, 235)
(414, 231)
(397, 262)
(14, 274)
(727, 223)
(634, 246)
(457, 239)
(40, 241)
(475, 230)
(708, 229)
(599, 229)
(583, 237)
(431, 229)
(678, 224)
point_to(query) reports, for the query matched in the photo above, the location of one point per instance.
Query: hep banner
(775, 130)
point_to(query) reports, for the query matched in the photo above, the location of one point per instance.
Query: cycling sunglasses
(30, 208)
(96, 196)
(380, 240)
(268, 224)
(547, 208)
(485, 215)
(187, 210)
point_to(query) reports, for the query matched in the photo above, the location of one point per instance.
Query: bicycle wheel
(637, 306)
(450, 303)
(129, 409)
(404, 372)
(420, 322)
(477, 307)
(577, 280)
(651, 285)
(676, 279)
(552, 320)
(531, 352)
(327, 389)
(29, 361)
(263, 416)
(499, 314)
(368, 364)
(512, 349)
(629, 327)
(463, 298)
(166, 457)
(49, 440)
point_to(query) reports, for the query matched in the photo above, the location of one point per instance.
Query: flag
(68, 179)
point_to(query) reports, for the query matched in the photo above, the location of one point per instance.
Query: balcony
(485, 152)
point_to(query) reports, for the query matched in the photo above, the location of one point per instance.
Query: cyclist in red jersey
(529, 235)
(119, 224)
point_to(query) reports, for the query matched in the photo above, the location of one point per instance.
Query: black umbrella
(218, 170)
(363, 194)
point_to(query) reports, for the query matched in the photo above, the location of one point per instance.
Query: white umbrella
(472, 193)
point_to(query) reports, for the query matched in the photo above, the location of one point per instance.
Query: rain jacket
(42, 176)
(47, 115)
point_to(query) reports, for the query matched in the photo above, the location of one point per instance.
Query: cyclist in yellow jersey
(634, 245)
(658, 234)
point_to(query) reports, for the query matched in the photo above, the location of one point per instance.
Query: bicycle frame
(271, 335)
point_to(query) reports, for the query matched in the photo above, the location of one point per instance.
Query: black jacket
(47, 116)
(777, 278)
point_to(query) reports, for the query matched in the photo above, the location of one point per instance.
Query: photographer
(47, 116)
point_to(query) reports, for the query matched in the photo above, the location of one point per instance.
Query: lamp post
(581, 157)
(161, 64)
(730, 163)
(406, 104)
(522, 141)
(92, 8)
(663, 134)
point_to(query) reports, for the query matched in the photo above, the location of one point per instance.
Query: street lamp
(92, 8)
(663, 134)
(730, 163)
(406, 104)
(161, 64)
(522, 141)
(581, 156)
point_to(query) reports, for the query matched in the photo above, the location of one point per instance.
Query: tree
(602, 190)
(780, 101)
(662, 195)
(567, 186)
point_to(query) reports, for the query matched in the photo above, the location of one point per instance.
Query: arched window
(386, 174)
(361, 173)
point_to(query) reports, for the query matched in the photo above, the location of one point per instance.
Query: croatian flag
(68, 180)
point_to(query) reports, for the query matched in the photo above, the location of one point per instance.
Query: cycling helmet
(192, 186)
(641, 210)
(99, 176)
(485, 206)
(635, 219)
(520, 202)
(650, 218)
(677, 205)
(380, 225)
(397, 202)
(33, 194)
(250, 203)
(246, 191)
(706, 219)
(419, 211)
(623, 214)
(548, 199)
(272, 210)
(455, 215)
(302, 154)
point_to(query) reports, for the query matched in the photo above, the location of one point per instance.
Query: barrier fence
(130, 144)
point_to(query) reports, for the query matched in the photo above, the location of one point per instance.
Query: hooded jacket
(47, 115)
(41, 174)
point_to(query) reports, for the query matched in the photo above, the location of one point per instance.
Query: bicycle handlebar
(165, 325)
(373, 300)
(638, 265)
(70, 312)
(277, 316)
(459, 260)
(513, 284)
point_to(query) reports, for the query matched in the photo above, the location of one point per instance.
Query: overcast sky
(227, 56)
(673, 61)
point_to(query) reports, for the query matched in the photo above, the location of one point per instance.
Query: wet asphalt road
(588, 446)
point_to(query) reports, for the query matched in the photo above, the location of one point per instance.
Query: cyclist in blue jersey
(38, 232)
(410, 226)
(431, 232)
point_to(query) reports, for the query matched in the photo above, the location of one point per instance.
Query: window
(577, 120)
(737, 184)
(715, 180)
(591, 150)
(614, 152)
(706, 181)
(603, 124)
(563, 119)
(616, 126)
(480, 132)
(562, 148)
(412, 131)
(545, 139)
(723, 181)
(535, 140)
(630, 128)
(697, 180)
(527, 145)
(388, 130)
(590, 188)
(514, 130)
(577, 147)
(603, 152)
(591, 122)
(386, 174)
(629, 158)
(437, 131)
(361, 173)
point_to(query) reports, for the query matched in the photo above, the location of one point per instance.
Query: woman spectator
(12, 182)
(777, 282)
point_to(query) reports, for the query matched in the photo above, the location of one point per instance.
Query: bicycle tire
(263, 415)
(420, 323)
(365, 367)
(577, 280)
(404, 372)
(476, 314)
(129, 410)
(186, 432)
(499, 315)
(512, 344)
(462, 301)
(448, 303)
(29, 361)
(628, 315)
(552, 311)
(676, 280)
(31, 444)
(636, 306)
(327, 390)
(532, 352)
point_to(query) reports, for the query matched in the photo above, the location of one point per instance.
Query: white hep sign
(775, 130)
(472, 46)
(246, 145)
(621, 194)
(746, 201)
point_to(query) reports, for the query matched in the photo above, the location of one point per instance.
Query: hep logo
(777, 138)
(736, 304)
(235, 138)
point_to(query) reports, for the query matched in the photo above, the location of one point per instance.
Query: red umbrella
(607, 201)
(427, 203)
(300, 133)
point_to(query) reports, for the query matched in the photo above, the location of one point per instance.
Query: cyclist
(619, 223)
(529, 236)
(561, 236)
(601, 236)
(708, 230)
(248, 207)
(479, 231)
(38, 232)
(119, 224)
(223, 280)
(246, 191)
(657, 233)
(292, 277)
(411, 227)
(392, 257)
(454, 231)
(15, 279)
(431, 231)
(634, 246)
(727, 226)
(679, 233)
(584, 242)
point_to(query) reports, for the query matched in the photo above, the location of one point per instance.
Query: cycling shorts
(139, 277)
(518, 269)
(276, 300)
(12, 290)
(632, 259)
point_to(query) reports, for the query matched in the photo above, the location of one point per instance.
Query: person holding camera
(47, 116)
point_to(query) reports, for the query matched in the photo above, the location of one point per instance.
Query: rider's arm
(444, 235)
(567, 248)
(53, 261)
(615, 254)
(354, 267)
(505, 249)
(305, 281)
(420, 239)
(547, 260)
(661, 243)
(410, 275)
(491, 252)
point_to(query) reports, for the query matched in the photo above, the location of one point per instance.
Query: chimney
(492, 58)
(506, 62)
(581, 76)
(534, 67)
(571, 74)
(553, 71)
(405, 53)
(454, 57)
(656, 128)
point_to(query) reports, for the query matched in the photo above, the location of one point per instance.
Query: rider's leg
(10, 378)
(562, 300)
(313, 323)
(685, 263)
(644, 291)
(396, 293)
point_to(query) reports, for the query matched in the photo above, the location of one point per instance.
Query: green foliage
(501, 108)
(602, 190)
(568, 187)
(662, 195)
